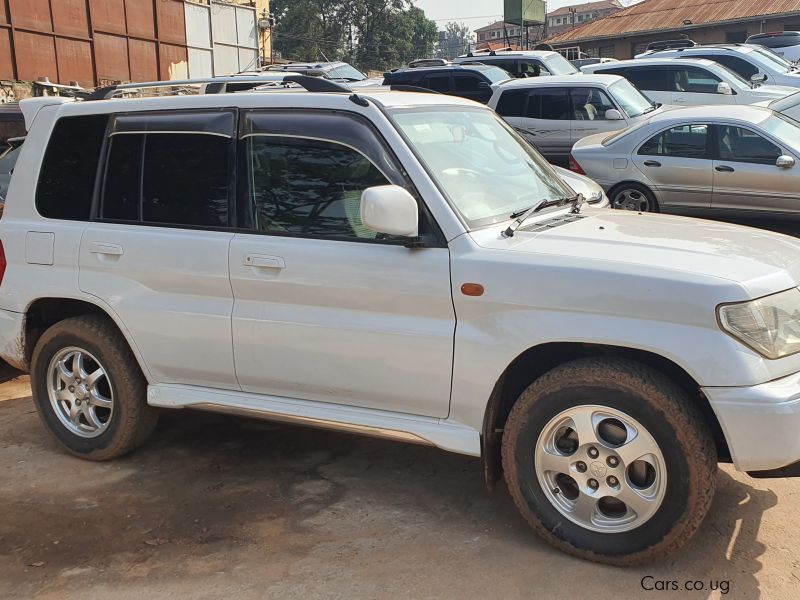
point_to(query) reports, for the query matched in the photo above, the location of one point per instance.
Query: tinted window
(123, 179)
(512, 103)
(548, 104)
(651, 79)
(69, 168)
(309, 187)
(685, 141)
(738, 65)
(466, 83)
(437, 83)
(742, 145)
(185, 179)
(531, 68)
(694, 80)
(589, 104)
(784, 40)
(168, 179)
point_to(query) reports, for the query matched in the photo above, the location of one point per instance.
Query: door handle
(652, 163)
(107, 249)
(679, 100)
(724, 169)
(264, 261)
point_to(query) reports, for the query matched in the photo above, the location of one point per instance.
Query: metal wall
(92, 41)
(222, 39)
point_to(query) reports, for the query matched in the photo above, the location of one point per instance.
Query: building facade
(628, 32)
(96, 42)
(568, 17)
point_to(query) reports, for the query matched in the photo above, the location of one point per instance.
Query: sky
(475, 13)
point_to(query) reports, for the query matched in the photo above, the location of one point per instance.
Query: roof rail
(412, 88)
(216, 85)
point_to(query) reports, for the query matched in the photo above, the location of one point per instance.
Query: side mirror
(612, 114)
(724, 88)
(785, 162)
(390, 209)
(482, 85)
(758, 78)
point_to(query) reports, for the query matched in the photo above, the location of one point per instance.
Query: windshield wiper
(521, 216)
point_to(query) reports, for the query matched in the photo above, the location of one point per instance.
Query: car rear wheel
(632, 196)
(89, 390)
(610, 461)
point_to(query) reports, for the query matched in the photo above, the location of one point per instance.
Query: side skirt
(453, 437)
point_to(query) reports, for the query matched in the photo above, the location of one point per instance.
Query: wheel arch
(538, 360)
(42, 313)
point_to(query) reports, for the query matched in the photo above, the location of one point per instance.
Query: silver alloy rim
(600, 468)
(80, 392)
(631, 199)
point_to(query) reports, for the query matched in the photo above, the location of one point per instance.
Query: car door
(696, 85)
(157, 251)
(588, 106)
(546, 122)
(746, 176)
(677, 161)
(325, 309)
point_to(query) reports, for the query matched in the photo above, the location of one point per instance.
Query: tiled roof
(656, 15)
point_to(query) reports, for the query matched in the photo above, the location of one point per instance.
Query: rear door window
(652, 79)
(170, 169)
(437, 83)
(684, 141)
(548, 104)
(512, 103)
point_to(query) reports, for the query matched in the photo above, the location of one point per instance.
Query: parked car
(782, 43)
(467, 81)
(690, 81)
(700, 160)
(583, 62)
(337, 70)
(553, 113)
(8, 159)
(788, 106)
(401, 265)
(522, 63)
(745, 60)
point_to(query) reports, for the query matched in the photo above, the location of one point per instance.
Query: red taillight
(2, 262)
(574, 166)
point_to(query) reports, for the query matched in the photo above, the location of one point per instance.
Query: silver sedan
(699, 160)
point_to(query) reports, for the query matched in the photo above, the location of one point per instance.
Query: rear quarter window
(67, 177)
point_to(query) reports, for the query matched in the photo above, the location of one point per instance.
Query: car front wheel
(610, 461)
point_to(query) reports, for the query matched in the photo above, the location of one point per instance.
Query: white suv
(401, 265)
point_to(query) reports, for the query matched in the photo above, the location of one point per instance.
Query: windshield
(768, 60)
(495, 74)
(485, 170)
(784, 129)
(558, 65)
(630, 98)
(346, 71)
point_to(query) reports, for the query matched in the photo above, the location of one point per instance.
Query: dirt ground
(220, 507)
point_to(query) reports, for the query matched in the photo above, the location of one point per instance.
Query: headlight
(769, 325)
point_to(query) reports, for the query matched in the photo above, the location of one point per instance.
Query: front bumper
(761, 423)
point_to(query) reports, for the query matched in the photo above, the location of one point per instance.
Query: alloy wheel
(631, 199)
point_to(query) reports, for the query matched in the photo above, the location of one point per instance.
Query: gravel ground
(218, 506)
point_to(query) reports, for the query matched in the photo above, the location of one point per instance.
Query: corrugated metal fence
(97, 41)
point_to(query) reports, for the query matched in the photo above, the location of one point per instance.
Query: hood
(761, 262)
(774, 91)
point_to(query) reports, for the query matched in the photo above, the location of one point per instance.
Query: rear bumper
(12, 339)
(761, 424)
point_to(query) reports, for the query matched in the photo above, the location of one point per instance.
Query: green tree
(310, 29)
(458, 38)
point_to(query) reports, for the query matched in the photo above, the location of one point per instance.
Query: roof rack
(218, 85)
(412, 88)
(428, 62)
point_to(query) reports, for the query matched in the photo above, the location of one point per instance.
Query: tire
(99, 417)
(671, 488)
(633, 196)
